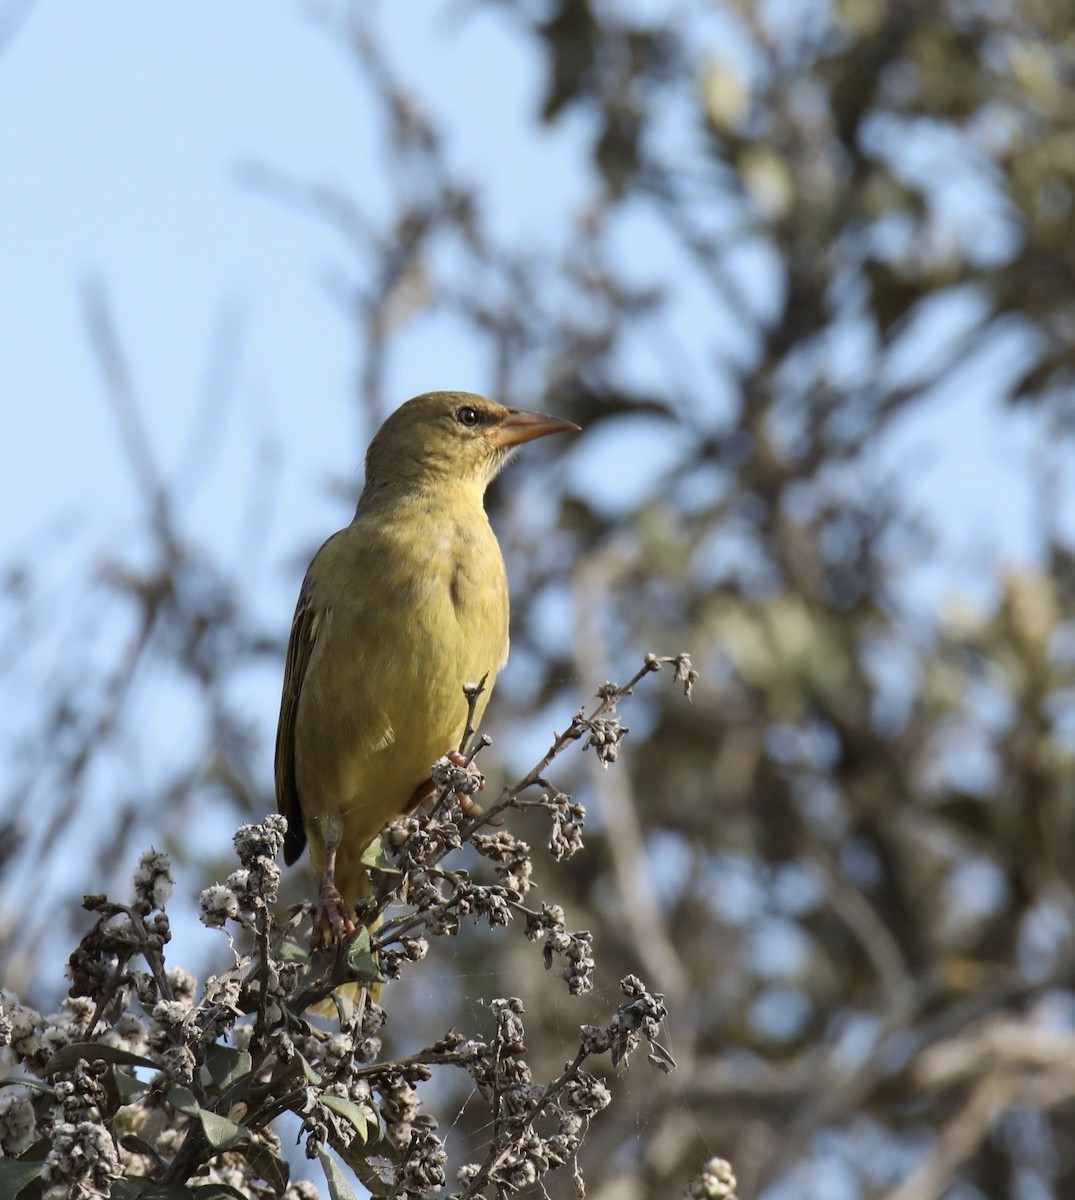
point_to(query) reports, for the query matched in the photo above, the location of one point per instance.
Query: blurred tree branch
(853, 851)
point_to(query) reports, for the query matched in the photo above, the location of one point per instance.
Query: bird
(397, 612)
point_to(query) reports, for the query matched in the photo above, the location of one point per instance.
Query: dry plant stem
(430, 1057)
(393, 931)
(347, 1098)
(472, 693)
(610, 696)
(497, 1155)
(262, 939)
(535, 778)
(139, 945)
(322, 985)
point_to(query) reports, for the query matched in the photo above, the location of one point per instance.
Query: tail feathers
(346, 991)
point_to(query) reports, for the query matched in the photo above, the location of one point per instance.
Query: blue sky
(124, 129)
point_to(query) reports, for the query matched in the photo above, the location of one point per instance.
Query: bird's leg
(470, 806)
(332, 910)
(427, 788)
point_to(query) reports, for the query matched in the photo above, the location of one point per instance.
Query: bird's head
(449, 437)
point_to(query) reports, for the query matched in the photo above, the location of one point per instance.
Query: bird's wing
(304, 630)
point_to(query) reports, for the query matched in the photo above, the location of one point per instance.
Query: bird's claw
(332, 912)
(427, 789)
(471, 808)
(461, 760)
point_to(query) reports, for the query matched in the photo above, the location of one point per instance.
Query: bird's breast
(413, 604)
(435, 617)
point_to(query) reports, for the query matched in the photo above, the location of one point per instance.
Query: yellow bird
(396, 613)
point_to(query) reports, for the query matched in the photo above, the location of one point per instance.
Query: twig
(472, 691)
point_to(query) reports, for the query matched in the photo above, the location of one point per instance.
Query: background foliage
(848, 865)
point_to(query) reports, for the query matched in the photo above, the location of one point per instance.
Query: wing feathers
(300, 646)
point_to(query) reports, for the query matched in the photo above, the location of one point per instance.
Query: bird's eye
(467, 416)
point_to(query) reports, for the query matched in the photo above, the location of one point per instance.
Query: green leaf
(284, 1070)
(220, 1133)
(183, 1099)
(268, 1166)
(131, 1141)
(294, 1068)
(311, 1075)
(15, 1175)
(218, 1191)
(359, 940)
(338, 1187)
(361, 1160)
(374, 856)
(125, 1087)
(26, 1081)
(70, 1056)
(227, 1065)
(361, 965)
(137, 1187)
(169, 1191)
(39, 1149)
(345, 1006)
(294, 949)
(354, 1114)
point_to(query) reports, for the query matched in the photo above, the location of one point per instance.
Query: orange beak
(520, 426)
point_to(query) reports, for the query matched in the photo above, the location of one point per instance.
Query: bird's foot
(471, 808)
(332, 914)
(428, 789)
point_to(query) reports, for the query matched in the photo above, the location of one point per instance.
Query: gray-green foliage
(146, 1084)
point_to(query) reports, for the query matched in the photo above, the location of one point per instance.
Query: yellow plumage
(397, 612)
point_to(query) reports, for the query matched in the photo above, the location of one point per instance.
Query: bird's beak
(520, 426)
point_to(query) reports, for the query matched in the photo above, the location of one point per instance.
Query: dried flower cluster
(141, 1084)
(716, 1182)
